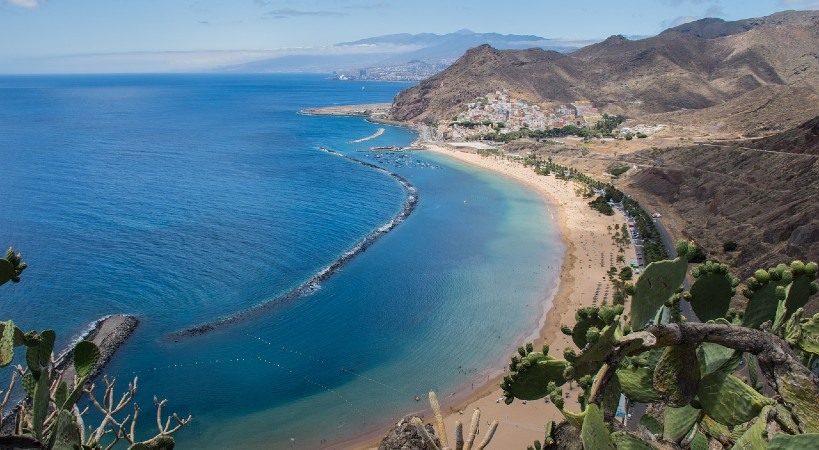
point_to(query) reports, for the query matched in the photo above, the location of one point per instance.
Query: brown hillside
(764, 200)
(804, 139)
(698, 66)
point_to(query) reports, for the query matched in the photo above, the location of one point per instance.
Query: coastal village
(500, 112)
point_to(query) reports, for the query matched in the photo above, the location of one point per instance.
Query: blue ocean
(184, 199)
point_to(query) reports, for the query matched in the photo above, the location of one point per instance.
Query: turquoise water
(183, 199)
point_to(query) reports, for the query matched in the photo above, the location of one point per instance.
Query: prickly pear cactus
(677, 422)
(719, 431)
(637, 384)
(803, 333)
(595, 434)
(714, 357)
(728, 400)
(530, 375)
(86, 355)
(764, 293)
(755, 436)
(592, 357)
(802, 286)
(712, 291)
(66, 434)
(677, 374)
(586, 319)
(7, 343)
(11, 267)
(799, 393)
(38, 356)
(784, 441)
(699, 442)
(626, 441)
(658, 282)
(651, 425)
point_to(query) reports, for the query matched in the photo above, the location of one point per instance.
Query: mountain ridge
(675, 70)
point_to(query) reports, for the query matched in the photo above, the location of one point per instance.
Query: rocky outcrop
(404, 436)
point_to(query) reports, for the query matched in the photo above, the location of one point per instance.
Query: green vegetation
(468, 124)
(602, 206)
(616, 170)
(568, 130)
(653, 247)
(608, 124)
(651, 353)
(729, 246)
(50, 418)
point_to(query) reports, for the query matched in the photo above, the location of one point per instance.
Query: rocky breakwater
(312, 284)
(109, 334)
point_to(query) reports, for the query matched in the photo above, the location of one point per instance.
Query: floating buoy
(417, 398)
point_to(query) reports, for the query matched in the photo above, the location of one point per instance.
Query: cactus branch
(439, 419)
(423, 432)
(459, 435)
(473, 429)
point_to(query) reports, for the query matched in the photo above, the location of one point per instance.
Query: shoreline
(581, 230)
(583, 233)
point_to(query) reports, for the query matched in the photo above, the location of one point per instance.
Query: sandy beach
(589, 254)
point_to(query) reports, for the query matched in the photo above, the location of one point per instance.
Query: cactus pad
(38, 356)
(66, 434)
(728, 400)
(586, 318)
(677, 374)
(714, 357)
(754, 437)
(651, 424)
(784, 441)
(763, 296)
(637, 384)
(575, 419)
(719, 431)
(700, 442)
(6, 271)
(530, 377)
(658, 282)
(803, 333)
(627, 441)
(677, 422)
(86, 354)
(799, 393)
(7, 343)
(711, 293)
(595, 434)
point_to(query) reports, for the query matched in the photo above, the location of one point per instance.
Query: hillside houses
(502, 113)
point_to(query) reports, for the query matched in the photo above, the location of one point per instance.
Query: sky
(161, 35)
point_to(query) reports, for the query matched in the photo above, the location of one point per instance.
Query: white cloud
(30, 4)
